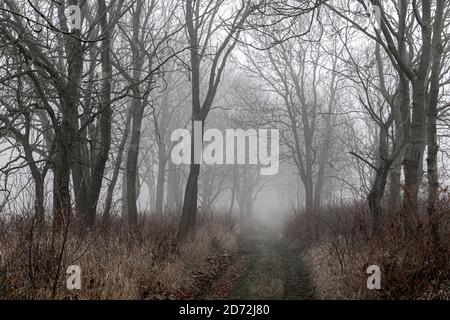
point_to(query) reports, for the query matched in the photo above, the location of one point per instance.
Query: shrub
(412, 265)
(147, 264)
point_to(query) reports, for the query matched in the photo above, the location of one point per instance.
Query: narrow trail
(275, 269)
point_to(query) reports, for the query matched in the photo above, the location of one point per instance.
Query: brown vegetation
(118, 265)
(412, 265)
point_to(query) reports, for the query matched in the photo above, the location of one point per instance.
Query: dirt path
(275, 269)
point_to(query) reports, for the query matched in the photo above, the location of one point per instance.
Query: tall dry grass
(147, 264)
(339, 247)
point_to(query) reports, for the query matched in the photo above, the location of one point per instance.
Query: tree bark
(188, 215)
(61, 176)
(401, 112)
(137, 113)
(161, 180)
(102, 152)
(375, 195)
(432, 166)
(200, 110)
(67, 134)
(414, 155)
(115, 176)
(132, 163)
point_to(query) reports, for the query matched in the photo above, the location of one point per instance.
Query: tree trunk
(161, 179)
(433, 177)
(38, 178)
(115, 176)
(39, 200)
(233, 192)
(402, 126)
(132, 163)
(102, 151)
(150, 183)
(190, 202)
(394, 188)
(414, 155)
(381, 174)
(375, 195)
(309, 194)
(200, 110)
(124, 201)
(61, 177)
(80, 177)
(327, 140)
(137, 113)
(432, 166)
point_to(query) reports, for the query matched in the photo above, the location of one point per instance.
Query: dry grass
(412, 265)
(116, 265)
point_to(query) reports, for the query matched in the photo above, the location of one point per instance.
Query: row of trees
(405, 98)
(63, 91)
(73, 99)
(355, 69)
(87, 109)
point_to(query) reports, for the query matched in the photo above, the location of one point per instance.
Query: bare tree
(153, 24)
(202, 23)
